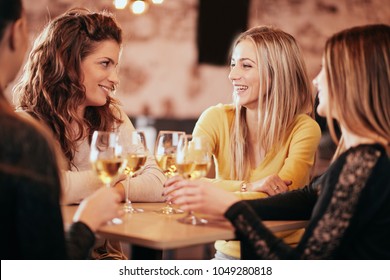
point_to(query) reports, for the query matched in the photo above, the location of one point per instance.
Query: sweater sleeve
(301, 153)
(147, 186)
(294, 205)
(257, 242)
(76, 185)
(79, 241)
(214, 125)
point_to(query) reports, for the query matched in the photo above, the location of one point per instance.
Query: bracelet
(244, 187)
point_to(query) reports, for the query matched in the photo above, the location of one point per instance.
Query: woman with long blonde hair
(348, 206)
(265, 142)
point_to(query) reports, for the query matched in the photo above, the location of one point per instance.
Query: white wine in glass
(165, 154)
(193, 154)
(136, 155)
(107, 159)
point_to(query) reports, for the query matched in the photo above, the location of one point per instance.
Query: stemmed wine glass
(193, 161)
(107, 158)
(165, 153)
(135, 152)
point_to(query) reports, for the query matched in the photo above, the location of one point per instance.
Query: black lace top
(348, 208)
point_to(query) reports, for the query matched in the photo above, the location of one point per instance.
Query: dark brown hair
(51, 89)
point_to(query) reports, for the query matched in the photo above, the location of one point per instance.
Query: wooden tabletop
(163, 232)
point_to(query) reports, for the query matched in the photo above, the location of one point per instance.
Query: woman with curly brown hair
(30, 188)
(68, 83)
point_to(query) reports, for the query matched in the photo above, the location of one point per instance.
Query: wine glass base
(115, 221)
(193, 220)
(130, 210)
(168, 210)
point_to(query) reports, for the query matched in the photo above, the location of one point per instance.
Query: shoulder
(219, 111)
(118, 111)
(27, 127)
(27, 144)
(305, 124)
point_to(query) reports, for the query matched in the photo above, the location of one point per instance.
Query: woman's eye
(232, 65)
(247, 66)
(105, 63)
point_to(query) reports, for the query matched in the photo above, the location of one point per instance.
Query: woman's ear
(18, 34)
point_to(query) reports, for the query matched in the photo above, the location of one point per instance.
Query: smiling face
(99, 70)
(244, 74)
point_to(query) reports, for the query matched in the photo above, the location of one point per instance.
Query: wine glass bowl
(107, 159)
(136, 155)
(193, 161)
(165, 154)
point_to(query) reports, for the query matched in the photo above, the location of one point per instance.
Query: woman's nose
(114, 77)
(234, 74)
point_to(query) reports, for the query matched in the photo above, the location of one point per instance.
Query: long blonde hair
(285, 92)
(357, 68)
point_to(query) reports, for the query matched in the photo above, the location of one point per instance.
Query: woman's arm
(297, 165)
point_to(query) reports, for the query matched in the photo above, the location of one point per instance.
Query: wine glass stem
(127, 200)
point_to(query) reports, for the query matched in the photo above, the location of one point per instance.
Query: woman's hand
(197, 195)
(271, 185)
(99, 208)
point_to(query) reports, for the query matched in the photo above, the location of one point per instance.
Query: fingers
(172, 181)
(185, 195)
(287, 182)
(174, 185)
(273, 185)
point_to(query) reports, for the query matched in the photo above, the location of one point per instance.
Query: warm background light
(139, 7)
(120, 4)
(160, 76)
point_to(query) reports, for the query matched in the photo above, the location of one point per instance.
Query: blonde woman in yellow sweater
(265, 142)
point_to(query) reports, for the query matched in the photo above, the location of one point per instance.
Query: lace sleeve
(330, 223)
(257, 242)
(331, 204)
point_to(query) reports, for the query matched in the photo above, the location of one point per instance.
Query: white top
(81, 180)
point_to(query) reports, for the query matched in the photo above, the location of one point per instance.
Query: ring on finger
(275, 188)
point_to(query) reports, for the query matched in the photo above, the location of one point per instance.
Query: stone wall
(160, 76)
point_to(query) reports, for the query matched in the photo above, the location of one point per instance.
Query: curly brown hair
(50, 88)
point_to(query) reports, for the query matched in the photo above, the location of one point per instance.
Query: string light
(139, 7)
(136, 6)
(120, 4)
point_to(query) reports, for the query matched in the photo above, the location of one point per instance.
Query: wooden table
(150, 233)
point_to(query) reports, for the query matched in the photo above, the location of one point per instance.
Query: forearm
(294, 205)
(77, 185)
(257, 242)
(148, 185)
(227, 185)
(301, 154)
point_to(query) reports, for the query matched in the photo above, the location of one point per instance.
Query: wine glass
(106, 158)
(136, 155)
(193, 161)
(165, 153)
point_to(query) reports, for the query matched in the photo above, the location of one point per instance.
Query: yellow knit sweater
(292, 162)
